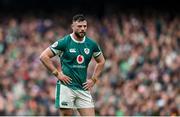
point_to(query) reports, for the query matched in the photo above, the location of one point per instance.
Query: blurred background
(140, 40)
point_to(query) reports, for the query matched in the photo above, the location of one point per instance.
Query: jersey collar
(77, 40)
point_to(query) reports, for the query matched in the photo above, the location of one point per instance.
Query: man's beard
(80, 34)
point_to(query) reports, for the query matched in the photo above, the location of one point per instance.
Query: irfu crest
(86, 50)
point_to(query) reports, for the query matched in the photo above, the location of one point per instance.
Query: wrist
(94, 79)
(55, 72)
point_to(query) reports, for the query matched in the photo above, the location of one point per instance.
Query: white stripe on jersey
(95, 54)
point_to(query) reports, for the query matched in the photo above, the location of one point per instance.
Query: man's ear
(72, 25)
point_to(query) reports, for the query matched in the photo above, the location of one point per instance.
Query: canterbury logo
(64, 103)
(72, 50)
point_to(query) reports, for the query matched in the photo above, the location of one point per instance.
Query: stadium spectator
(141, 75)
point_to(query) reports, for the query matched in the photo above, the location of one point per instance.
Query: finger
(90, 88)
(86, 86)
(85, 83)
(64, 82)
(68, 80)
(67, 77)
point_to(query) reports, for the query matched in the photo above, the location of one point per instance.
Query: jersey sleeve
(97, 50)
(58, 47)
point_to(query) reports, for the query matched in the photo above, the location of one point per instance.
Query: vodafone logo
(80, 59)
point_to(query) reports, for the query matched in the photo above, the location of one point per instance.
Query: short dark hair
(79, 18)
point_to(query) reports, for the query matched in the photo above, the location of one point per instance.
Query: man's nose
(82, 28)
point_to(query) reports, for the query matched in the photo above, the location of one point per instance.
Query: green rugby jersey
(75, 57)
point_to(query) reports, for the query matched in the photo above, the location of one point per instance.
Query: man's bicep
(48, 52)
(100, 58)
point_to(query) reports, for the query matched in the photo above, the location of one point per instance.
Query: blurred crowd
(141, 74)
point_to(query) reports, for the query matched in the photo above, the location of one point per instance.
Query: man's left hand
(88, 84)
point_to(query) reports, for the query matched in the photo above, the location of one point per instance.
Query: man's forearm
(98, 69)
(47, 63)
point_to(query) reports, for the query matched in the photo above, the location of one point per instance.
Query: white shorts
(66, 97)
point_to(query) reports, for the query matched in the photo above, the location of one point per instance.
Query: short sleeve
(97, 50)
(58, 47)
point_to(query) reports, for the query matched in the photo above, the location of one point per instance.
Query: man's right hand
(63, 78)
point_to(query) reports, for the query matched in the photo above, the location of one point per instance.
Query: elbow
(103, 62)
(41, 57)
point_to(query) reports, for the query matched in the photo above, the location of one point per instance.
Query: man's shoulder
(90, 40)
(64, 40)
(66, 37)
